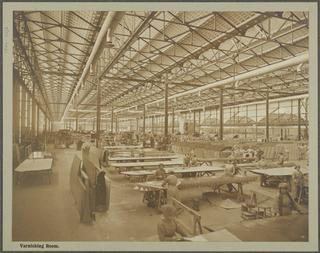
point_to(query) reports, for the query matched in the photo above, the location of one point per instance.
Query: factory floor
(47, 212)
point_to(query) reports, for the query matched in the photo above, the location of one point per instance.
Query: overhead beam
(126, 45)
(148, 81)
(56, 73)
(92, 58)
(221, 115)
(261, 71)
(166, 108)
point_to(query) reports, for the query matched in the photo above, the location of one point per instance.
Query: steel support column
(299, 119)
(33, 120)
(117, 124)
(45, 132)
(23, 112)
(112, 120)
(199, 122)
(194, 122)
(77, 116)
(137, 124)
(28, 113)
(98, 113)
(152, 124)
(166, 108)
(38, 119)
(172, 120)
(221, 115)
(144, 120)
(267, 116)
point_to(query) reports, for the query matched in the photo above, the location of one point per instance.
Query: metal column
(45, 132)
(299, 119)
(152, 124)
(117, 124)
(16, 110)
(98, 113)
(172, 120)
(28, 111)
(23, 113)
(38, 120)
(267, 116)
(33, 120)
(221, 115)
(137, 124)
(199, 122)
(166, 108)
(112, 120)
(77, 120)
(194, 122)
(144, 120)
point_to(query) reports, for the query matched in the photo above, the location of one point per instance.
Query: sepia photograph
(160, 125)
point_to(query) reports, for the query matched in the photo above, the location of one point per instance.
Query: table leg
(240, 192)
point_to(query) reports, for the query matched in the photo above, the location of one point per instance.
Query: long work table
(145, 165)
(142, 158)
(123, 147)
(40, 155)
(210, 161)
(186, 172)
(273, 176)
(34, 166)
(155, 192)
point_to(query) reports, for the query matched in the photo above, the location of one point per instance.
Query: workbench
(185, 172)
(123, 147)
(209, 161)
(34, 166)
(142, 158)
(155, 194)
(40, 155)
(143, 165)
(273, 176)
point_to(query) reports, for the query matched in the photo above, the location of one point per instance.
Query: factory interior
(148, 126)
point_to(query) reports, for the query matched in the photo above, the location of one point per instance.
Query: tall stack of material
(100, 184)
(79, 184)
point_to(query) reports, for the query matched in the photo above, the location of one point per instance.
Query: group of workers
(190, 159)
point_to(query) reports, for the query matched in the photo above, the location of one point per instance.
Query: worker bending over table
(172, 184)
(190, 159)
(169, 227)
(160, 173)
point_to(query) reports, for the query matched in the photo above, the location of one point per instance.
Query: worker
(297, 183)
(259, 154)
(172, 188)
(281, 159)
(262, 163)
(160, 173)
(284, 203)
(187, 160)
(169, 227)
(229, 171)
(152, 141)
(193, 159)
(141, 153)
